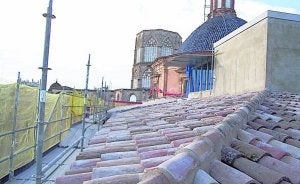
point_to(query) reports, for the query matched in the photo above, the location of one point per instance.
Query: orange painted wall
(173, 82)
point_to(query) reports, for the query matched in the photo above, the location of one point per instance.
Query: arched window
(150, 50)
(118, 96)
(146, 78)
(219, 3)
(228, 4)
(132, 98)
(166, 48)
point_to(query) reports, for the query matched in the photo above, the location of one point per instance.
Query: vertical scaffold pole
(14, 125)
(94, 107)
(84, 101)
(206, 77)
(105, 101)
(42, 99)
(201, 79)
(212, 70)
(100, 104)
(61, 114)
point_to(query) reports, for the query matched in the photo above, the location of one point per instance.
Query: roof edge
(144, 30)
(261, 17)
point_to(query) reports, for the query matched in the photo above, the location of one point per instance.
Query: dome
(209, 32)
(55, 86)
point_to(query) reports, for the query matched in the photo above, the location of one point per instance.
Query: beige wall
(240, 62)
(283, 66)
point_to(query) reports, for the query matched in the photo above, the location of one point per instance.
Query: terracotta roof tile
(124, 178)
(74, 179)
(249, 151)
(178, 142)
(180, 167)
(157, 153)
(155, 147)
(181, 141)
(288, 170)
(119, 155)
(155, 161)
(123, 161)
(84, 163)
(202, 177)
(101, 172)
(259, 172)
(226, 174)
(276, 152)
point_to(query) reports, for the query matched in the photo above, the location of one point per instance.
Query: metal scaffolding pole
(212, 70)
(206, 77)
(14, 125)
(100, 109)
(201, 79)
(84, 100)
(42, 99)
(105, 95)
(61, 115)
(94, 107)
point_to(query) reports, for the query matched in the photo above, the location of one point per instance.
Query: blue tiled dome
(210, 32)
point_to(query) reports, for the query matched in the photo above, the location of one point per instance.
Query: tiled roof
(210, 32)
(249, 138)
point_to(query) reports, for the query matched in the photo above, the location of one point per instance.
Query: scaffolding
(19, 123)
(31, 124)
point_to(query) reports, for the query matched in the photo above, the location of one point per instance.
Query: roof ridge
(204, 149)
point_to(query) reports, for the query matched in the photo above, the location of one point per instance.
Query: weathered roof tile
(226, 174)
(102, 172)
(181, 142)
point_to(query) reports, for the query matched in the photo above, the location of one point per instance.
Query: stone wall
(157, 38)
(124, 94)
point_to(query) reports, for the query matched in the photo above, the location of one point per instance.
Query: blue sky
(104, 28)
(284, 3)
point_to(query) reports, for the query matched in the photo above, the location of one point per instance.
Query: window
(146, 79)
(165, 51)
(150, 54)
(132, 98)
(219, 3)
(228, 4)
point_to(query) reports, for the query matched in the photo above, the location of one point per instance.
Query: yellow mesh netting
(60, 117)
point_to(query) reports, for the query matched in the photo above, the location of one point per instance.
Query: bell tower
(221, 7)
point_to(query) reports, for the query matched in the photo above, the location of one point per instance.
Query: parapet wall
(283, 55)
(263, 53)
(240, 62)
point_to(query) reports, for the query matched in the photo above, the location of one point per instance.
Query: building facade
(149, 45)
(192, 64)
